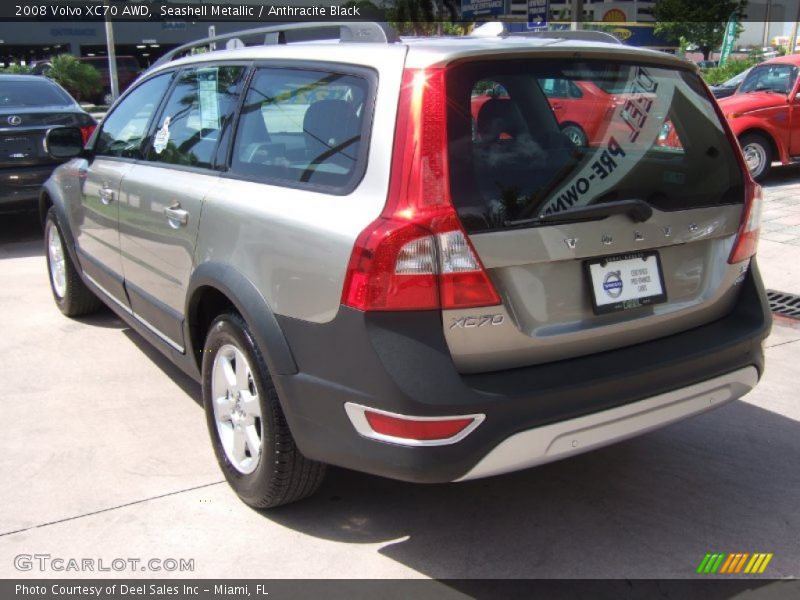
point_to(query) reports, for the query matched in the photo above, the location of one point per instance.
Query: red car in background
(582, 108)
(764, 114)
(584, 111)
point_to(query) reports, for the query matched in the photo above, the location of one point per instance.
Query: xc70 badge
(473, 322)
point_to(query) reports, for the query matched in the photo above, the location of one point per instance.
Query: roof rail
(499, 29)
(366, 32)
(583, 35)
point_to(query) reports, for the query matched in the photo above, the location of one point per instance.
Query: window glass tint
(529, 138)
(770, 78)
(16, 94)
(199, 109)
(123, 130)
(302, 126)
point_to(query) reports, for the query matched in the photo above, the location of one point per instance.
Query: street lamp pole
(577, 14)
(112, 58)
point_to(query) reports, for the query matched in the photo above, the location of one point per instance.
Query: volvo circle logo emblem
(14, 120)
(571, 243)
(612, 284)
(607, 240)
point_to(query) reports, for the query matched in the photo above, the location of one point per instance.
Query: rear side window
(303, 128)
(123, 131)
(200, 108)
(530, 138)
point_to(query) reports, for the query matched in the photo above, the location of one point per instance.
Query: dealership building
(29, 41)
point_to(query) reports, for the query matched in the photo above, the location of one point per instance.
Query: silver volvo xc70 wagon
(427, 259)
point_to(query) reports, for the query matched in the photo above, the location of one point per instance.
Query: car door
(117, 147)
(161, 197)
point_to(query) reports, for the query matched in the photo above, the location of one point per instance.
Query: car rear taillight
(87, 131)
(416, 255)
(747, 238)
(410, 431)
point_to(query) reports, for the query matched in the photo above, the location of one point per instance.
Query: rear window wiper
(638, 210)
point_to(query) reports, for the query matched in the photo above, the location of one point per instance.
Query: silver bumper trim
(560, 440)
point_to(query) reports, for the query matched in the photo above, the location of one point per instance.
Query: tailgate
(601, 224)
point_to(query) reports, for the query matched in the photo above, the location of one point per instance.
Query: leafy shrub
(728, 70)
(78, 78)
(17, 69)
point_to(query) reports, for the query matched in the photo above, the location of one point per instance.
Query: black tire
(755, 144)
(282, 474)
(576, 134)
(74, 299)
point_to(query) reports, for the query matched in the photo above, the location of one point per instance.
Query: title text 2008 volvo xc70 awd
(396, 256)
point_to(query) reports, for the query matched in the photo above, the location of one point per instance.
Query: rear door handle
(176, 215)
(106, 195)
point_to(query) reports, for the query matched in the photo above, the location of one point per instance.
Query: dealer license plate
(626, 281)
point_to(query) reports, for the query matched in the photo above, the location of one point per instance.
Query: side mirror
(63, 142)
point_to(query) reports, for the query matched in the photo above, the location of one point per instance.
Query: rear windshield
(532, 137)
(32, 93)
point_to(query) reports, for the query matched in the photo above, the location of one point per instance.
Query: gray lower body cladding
(399, 362)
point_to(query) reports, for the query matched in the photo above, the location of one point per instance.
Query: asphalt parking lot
(104, 455)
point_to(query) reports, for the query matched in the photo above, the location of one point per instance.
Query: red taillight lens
(417, 256)
(373, 281)
(87, 131)
(747, 239)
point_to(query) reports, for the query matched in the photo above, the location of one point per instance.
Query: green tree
(699, 22)
(78, 78)
(425, 17)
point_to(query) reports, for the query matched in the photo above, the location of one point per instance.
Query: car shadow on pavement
(782, 175)
(188, 385)
(21, 235)
(649, 507)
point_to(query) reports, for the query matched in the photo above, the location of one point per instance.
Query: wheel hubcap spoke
(250, 404)
(239, 443)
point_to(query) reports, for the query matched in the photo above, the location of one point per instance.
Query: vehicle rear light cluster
(747, 239)
(87, 131)
(411, 431)
(416, 255)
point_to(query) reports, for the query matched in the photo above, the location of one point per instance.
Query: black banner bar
(447, 589)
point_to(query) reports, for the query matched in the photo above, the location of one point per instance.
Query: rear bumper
(560, 440)
(20, 186)
(400, 363)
